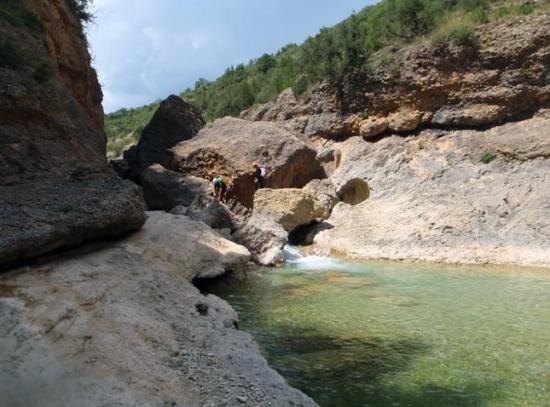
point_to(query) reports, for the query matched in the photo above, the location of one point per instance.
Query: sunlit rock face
(455, 196)
(231, 146)
(500, 77)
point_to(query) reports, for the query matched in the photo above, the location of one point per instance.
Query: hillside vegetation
(352, 46)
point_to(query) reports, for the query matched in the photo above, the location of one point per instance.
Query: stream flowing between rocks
(394, 334)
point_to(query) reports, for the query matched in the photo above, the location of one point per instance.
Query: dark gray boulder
(175, 120)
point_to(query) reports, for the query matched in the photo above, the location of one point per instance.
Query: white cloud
(146, 49)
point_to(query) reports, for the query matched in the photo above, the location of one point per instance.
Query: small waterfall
(294, 257)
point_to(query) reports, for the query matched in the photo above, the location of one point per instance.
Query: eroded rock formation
(460, 196)
(56, 188)
(501, 77)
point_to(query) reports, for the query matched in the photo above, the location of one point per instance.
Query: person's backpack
(218, 180)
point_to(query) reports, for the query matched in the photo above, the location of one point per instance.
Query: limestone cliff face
(56, 186)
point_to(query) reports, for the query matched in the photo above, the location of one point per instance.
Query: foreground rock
(123, 325)
(230, 146)
(38, 217)
(56, 187)
(461, 196)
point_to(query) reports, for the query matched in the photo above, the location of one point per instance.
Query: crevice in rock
(303, 235)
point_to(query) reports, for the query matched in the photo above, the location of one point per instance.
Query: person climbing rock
(220, 188)
(259, 176)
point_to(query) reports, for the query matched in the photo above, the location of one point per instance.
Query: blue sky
(144, 50)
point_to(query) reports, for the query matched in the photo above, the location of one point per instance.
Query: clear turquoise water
(379, 334)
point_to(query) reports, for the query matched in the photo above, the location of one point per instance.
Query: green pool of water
(378, 334)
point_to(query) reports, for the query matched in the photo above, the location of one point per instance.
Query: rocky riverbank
(122, 324)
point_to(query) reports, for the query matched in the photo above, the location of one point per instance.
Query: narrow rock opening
(354, 191)
(303, 235)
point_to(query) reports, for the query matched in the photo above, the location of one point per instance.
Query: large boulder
(175, 120)
(215, 214)
(164, 189)
(230, 146)
(289, 207)
(325, 196)
(56, 186)
(276, 213)
(265, 239)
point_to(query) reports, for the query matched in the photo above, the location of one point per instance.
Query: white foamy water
(294, 256)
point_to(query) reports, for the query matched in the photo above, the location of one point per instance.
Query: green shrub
(487, 157)
(479, 15)
(527, 7)
(10, 56)
(42, 73)
(464, 35)
(81, 10)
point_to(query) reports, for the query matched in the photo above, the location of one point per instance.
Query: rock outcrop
(501, 76)
(230, 146)
(123, 325)
(175, 120)
(455, 196)
(56, 187)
